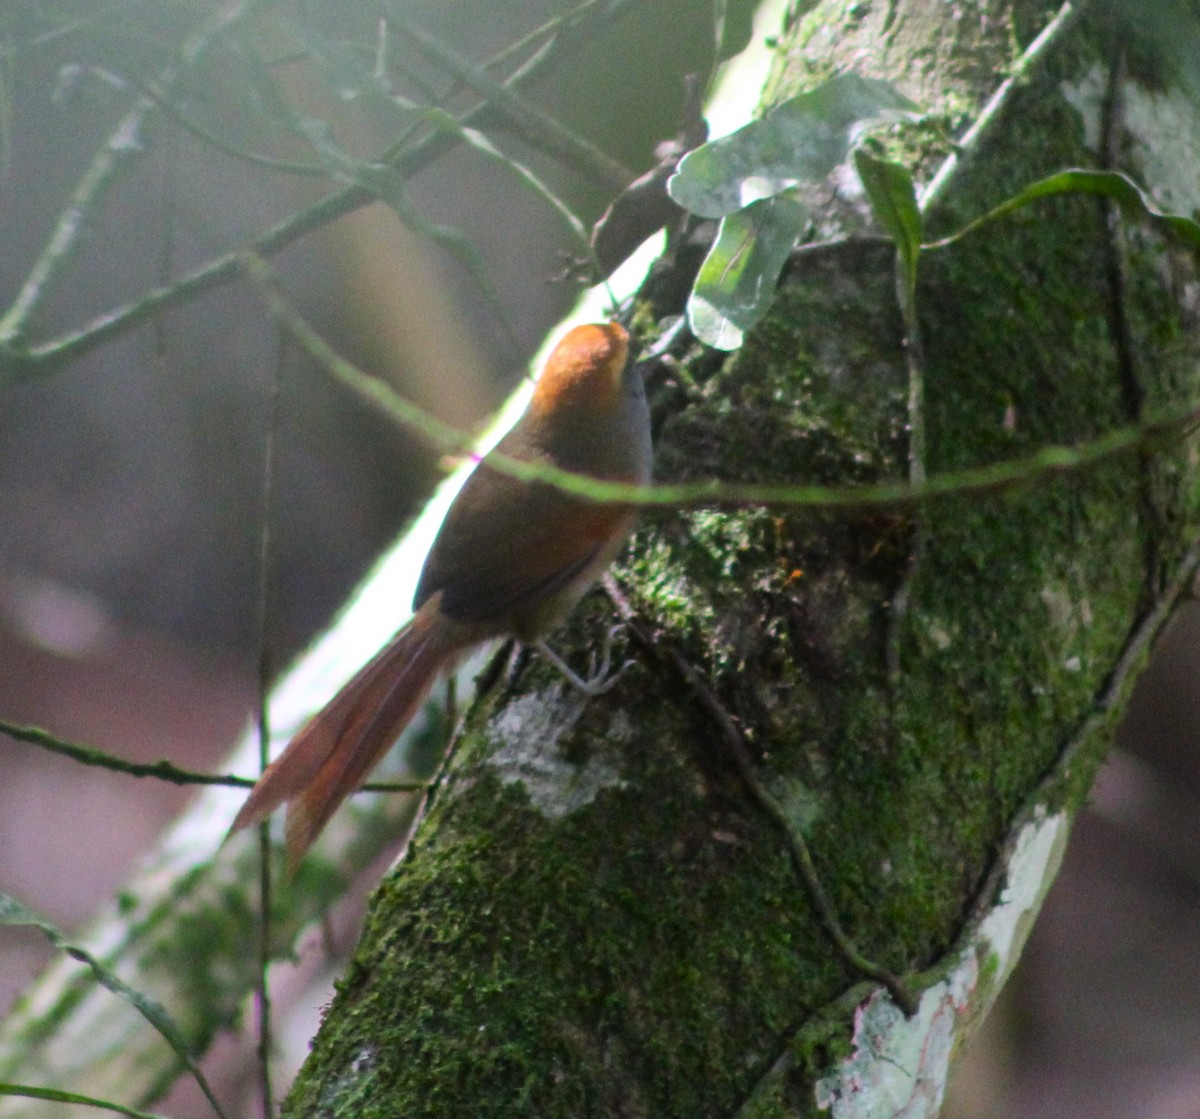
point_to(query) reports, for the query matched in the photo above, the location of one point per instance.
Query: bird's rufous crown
(584, 369)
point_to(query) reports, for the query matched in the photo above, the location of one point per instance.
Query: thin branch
(590, 15)
(120, 149)
(122, 146)
(797, 845)
(1141, 638)
(262, 987)
(95, 16)
(161, 770)
(914, 356)
(513, 110)
(436, 434)
(1163, 427)
(807, 1035)
(19, 362)
(162, 99)
(266, 616)
(90, 755)
(991, 112)
(527, 178)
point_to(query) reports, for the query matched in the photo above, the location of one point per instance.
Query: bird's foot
(599, 679)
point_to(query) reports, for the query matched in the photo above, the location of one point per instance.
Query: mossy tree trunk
(597, 917)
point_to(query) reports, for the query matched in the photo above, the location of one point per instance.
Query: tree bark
(599, 915)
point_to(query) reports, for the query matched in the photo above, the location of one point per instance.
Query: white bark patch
(1164, 129)
(530, 730)
(1067, 613)
(1086, 97)
(1069, 617)
(900, 1066)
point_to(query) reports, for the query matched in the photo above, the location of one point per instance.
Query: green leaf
(1108, 184)
(54, 1095)
(12, 912)
(737, 280)
(802, 140)
(893, 201)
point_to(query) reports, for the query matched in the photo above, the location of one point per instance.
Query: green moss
(905, 683)
(560, 942)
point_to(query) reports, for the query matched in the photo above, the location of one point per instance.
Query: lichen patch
(530, 732)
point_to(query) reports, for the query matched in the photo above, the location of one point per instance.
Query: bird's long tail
(338, 747)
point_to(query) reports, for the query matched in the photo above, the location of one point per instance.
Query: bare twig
(160, 770)
(1163, 427)
(21, 361)
(797, 845)
(122, 146)
(119, 150)
(262, 993)
(163, 100)
(511, 109)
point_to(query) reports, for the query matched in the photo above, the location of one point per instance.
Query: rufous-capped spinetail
(511, 558)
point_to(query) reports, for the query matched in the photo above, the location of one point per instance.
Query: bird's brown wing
(507, 545)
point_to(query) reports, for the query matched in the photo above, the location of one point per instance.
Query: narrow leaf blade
(1134, 201)
(13, 912)
(893, 201)
(738, 278)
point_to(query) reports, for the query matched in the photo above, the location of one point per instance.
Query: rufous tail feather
(332, 755)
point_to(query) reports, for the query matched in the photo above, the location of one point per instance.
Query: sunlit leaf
(738, 278)
(802, 140)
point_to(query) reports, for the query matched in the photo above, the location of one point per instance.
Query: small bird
(511, 558)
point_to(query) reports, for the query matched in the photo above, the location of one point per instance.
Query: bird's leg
(599, 679)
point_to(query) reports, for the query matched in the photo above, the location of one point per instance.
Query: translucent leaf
(738, 277)
(802, 140)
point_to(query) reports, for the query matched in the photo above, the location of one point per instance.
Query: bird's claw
(599, 679)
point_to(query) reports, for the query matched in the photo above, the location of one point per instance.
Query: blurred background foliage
(149, 450)
(131, 478)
